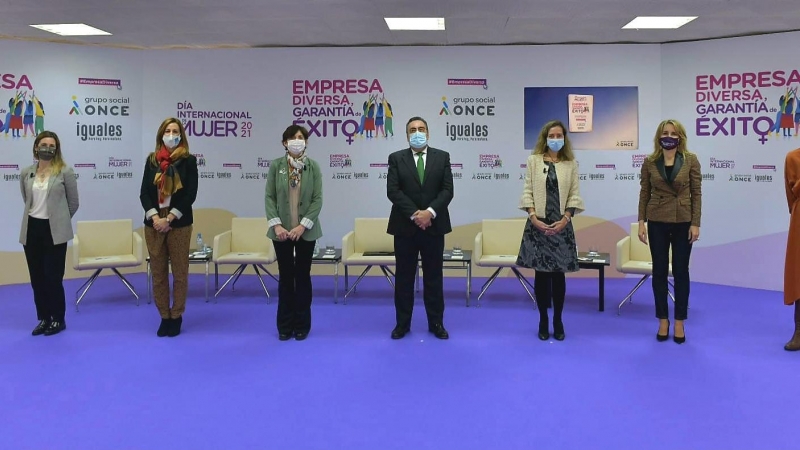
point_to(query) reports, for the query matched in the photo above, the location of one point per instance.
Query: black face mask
(669, 143)
(46, 153)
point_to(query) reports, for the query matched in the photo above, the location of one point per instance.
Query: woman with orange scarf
(169, 188)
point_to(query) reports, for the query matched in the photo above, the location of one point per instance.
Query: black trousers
(46, 264)
(294, 285)
(407, 251)
(662, 236)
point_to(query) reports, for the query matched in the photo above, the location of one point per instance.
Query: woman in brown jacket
(791, 274)
(669, 202)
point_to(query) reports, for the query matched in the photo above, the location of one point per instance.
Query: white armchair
(245, 244)
(106, 244)
(633, 257)
(497, 246)
(367, 245)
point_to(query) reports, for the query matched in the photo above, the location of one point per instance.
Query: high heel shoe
(663, 337)
(679, 340)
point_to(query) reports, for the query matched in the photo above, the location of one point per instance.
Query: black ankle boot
(558, 330)
(163, 329)
(544, 332)
(175, 327)
(558, 325)
(544, 324)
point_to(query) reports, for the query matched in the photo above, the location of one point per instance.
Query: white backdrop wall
(238, 102)
(101, 138)
(413, 81)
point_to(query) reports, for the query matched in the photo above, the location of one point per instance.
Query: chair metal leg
(489, 283)
(525, 283)
(388, 274)
(233, 286)
(235, 273)
(127, 284)
(528, 282)
(336, 283)
(630, 295)
(207, 281)
(88, 281)
(269, 273)
(258, 274)
(360, 277)
(346, 282)
(87, 284)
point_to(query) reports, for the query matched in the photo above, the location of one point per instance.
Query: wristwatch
(569, 219)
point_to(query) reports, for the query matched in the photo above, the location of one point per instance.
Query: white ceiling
(254, 23)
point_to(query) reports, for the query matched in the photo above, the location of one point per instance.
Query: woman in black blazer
(169, 188)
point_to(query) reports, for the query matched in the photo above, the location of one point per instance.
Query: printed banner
(603, 118)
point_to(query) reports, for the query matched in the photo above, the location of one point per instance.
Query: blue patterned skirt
(557, 253)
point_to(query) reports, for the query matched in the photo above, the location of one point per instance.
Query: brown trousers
(165, 248)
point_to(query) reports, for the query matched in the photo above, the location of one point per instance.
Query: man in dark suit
(420, 186)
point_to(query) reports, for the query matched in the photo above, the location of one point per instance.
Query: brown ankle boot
(794, 344)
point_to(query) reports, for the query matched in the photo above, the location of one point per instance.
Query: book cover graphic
(581, 107)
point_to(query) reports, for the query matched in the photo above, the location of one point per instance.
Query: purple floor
(227, 383)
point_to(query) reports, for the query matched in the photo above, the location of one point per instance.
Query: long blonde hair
(565, 154)
(57, 164)
(658, 152)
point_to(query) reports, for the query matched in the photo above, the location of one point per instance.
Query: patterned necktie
(420, 167)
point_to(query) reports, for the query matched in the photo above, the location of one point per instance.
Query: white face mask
(296, 146)
(171, 141)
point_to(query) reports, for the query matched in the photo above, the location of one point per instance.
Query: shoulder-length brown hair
(160, 134)
(565, 154)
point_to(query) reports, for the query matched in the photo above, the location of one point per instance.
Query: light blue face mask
(418, 139)
(555, 144)
(171, 141)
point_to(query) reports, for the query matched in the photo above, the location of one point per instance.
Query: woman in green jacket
(293, 202)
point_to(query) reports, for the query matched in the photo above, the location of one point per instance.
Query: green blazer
(276, 198)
